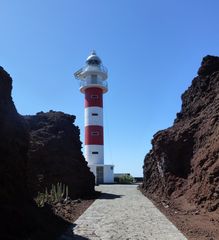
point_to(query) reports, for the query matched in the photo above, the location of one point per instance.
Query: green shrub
(126, 179)
(57, 193)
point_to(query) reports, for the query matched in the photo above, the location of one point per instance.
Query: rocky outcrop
(183, 165)
(55, 155)
(52, 143)
(14, 140)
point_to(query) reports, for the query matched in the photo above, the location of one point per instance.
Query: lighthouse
(93, 84)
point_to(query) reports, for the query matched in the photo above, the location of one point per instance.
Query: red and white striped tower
(93, 84)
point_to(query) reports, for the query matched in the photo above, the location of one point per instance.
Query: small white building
(93, 85)
(103, 173)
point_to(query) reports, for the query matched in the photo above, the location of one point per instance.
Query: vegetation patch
(58, 193)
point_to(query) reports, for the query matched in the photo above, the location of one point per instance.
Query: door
(99, 175)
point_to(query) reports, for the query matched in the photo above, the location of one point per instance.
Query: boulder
(55, 155)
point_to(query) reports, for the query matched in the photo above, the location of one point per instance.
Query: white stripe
(93, 116)
(91, 157)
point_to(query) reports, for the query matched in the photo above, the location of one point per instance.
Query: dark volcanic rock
(183, 165)
(209, 65)
(55, 152)
(55, 155)
(14, 139)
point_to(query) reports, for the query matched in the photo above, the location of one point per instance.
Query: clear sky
(152, 50)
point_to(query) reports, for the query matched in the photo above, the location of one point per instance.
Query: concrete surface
(123, 213)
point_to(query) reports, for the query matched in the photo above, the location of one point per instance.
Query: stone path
(123, 213)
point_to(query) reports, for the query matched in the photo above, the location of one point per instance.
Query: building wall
(108, 173)
(94, 154)
(93, 97)
(93, 116)
(94, 135)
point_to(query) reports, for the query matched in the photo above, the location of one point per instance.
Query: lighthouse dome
(93, 59)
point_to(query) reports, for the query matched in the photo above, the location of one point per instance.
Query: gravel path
(123, 213)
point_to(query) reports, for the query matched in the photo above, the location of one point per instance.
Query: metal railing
(90, 69)
(93, 82)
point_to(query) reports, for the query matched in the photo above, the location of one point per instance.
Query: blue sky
(152, 50)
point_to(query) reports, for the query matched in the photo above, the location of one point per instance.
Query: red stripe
(93, 135)
(93, 97)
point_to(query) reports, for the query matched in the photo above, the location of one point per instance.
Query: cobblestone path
(123, 213)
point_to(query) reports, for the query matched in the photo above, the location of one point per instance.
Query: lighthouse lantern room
(92, 78)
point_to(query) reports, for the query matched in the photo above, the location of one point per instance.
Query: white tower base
(103, 173)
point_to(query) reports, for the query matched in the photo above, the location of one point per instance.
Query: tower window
(95, 133)
(94, 96)
(95, 153)
(94, 114)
